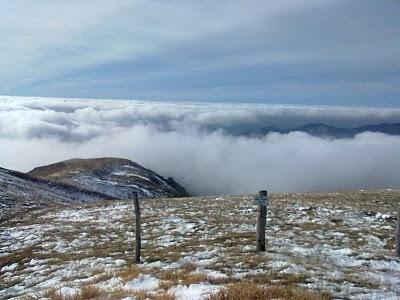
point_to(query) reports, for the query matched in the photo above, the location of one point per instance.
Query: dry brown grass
(129, 273)
(251, 291)
(54, 294)
(231, 251)
(166, 285)
(188, 267)
(86, 292)
(188, 279)
(89, 292)
(118, 294)
(146, 296)
(183, 277)
(18, 256)
(164, 296)
(390, 244)
(293, 278)
(101, 275)
(274, 277)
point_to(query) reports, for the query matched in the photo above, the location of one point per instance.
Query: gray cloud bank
(194, 143)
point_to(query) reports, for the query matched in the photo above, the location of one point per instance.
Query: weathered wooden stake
(261, 222)
(398, 234)
(138, 227)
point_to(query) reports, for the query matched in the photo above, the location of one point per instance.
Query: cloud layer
(196, 143)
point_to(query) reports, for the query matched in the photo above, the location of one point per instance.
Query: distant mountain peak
(325, 130)
(316, 125)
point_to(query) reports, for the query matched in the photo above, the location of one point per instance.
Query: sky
(310, 52)
(191, 142)
(167, 83)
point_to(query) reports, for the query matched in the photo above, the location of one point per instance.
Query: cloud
(313, 51)
(192, 142)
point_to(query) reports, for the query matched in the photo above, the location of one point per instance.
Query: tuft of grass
(188, 267)
(90, 291)
(164, 296)
(166, 285)
(390, 244)
(291, 278)
(179, 277)
(188, 279)
(252, 291)
(86, 292)
(101, 275)
(151, 296)
(54, 294)
(129, 273)
(119, 293)
(18, 256)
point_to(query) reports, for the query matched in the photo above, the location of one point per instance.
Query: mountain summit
(115, 177)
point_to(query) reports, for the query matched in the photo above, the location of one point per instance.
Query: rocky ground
(338, 245)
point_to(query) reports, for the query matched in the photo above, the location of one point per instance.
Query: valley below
(319, 246)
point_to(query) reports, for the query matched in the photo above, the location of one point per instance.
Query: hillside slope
(340, 245)
(115, 177)
(23, 190)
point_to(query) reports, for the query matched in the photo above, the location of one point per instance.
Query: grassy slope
(337, 244)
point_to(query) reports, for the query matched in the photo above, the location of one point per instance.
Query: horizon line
(205, 102)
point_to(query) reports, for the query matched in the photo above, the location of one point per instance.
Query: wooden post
(138, 227)
(261, 219)
(398, 234)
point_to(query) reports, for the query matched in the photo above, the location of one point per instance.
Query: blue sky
(302, 52)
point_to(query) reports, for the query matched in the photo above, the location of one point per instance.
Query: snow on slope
(111, 176)
(341, 243)
(22, 190)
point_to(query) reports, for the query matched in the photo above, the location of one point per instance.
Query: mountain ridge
(79, 181)
(329, 131)
(116, 177)
(21, 190)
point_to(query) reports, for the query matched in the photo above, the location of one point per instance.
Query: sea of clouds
(199, 144)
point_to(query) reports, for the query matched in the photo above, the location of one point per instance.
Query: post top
(263, 193)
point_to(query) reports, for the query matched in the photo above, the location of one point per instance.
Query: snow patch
(196, 291)
(143, 283)
(67, 292)
(9, 267)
